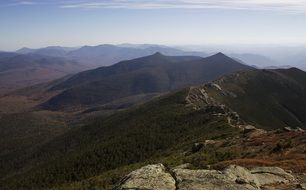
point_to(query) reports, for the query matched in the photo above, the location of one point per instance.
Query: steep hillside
(152, 74)
(266, 98)
(165, 130)
(124, 138)
(21, 131)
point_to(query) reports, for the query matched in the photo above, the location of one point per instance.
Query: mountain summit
(157, 54)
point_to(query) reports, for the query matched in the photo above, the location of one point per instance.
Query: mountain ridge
(106, 54)
(150, 74)
(164, 129)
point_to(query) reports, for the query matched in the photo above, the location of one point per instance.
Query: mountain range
(156, 73)
(88, 57)
(106, 54)
(88, 130)
(106, 147)
(27, 66)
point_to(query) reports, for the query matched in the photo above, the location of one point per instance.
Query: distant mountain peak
(158, 54)
(25, 50)
(106, 45)
(221, 54)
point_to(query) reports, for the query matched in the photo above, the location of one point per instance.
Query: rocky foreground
(266, 161)
(158, 177)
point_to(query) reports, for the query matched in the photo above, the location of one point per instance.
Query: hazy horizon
(190, 47)
(73, 23)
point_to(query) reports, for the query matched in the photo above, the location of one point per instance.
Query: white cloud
(284, 5)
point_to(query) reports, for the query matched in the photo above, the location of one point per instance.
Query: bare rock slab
(150, 177)
(157, 177)
(208, 180)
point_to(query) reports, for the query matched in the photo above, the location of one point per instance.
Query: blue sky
(171, 22)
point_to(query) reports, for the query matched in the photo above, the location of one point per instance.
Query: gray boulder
(271, 175)
(150, 177)
(207, 179)
(241, 175)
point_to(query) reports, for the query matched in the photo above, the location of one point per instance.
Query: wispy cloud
(18, 3)
(276, 5)
(283, 5)
(26, 3)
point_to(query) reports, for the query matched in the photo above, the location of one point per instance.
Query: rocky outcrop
(152, 177)
(207, 179)
(156, 177)
(241, 175)
(251, 131)
(199, 98)
(298, 129)
(270, 175)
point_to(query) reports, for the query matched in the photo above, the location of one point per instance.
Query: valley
(93, 128)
